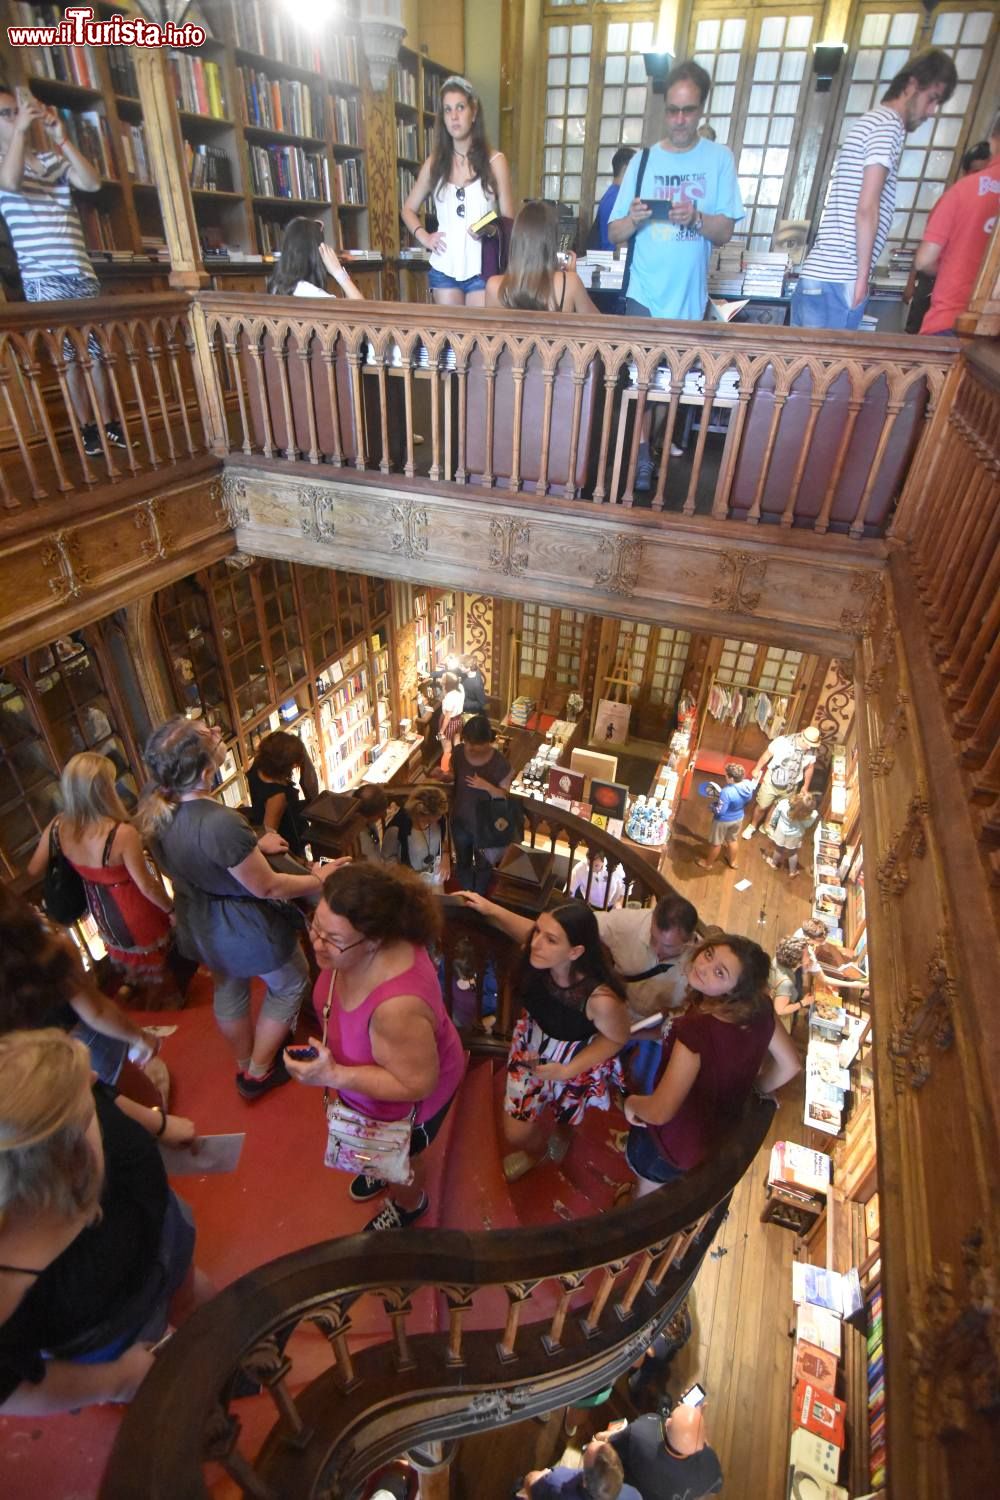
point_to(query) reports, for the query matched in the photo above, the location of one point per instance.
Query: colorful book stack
(344, 59)
(209, 167)
(197, 85)
(876, 1392)
(281, 104)
(134, 149)
(91, 136)
(67, 64)
(824, 1299)
(289, 172)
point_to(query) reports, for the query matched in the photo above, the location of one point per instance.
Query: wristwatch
(699, 224)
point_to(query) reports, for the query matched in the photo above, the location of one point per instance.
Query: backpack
(789, 772)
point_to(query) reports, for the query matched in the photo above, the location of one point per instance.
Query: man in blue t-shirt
(619, 162)
(728, 809)
(601, 1478)
(692, 183)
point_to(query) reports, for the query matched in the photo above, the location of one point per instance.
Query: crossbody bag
(357, 1143)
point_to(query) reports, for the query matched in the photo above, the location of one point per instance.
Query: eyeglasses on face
(685, 111)
(324, 940)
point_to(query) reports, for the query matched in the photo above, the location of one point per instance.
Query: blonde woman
(95, 1249)
(125, 894)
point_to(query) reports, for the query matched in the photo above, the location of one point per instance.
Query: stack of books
(351, 181)
(136, 158)
(67, 64)
(764, 273)
(521, 711)
(208, 167)
(725, 271)
(289, 172)
(90, 134)
(281, 104)
(197, 85)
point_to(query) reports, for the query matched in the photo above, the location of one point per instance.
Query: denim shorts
(440, 281)
(646, 1159)
(824, 304)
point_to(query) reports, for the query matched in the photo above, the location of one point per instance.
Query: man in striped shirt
(833, 286)
(36, 202)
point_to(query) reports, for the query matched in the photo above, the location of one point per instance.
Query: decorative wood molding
(620, 573)
(892, 873)
(858, 618)
(509, 537)
(234, 495)
(955, 1346)
(149, 518)
(63, 554)
(478, 634)
(883, 756)
(926, 1021)
(739, 573)
(411, 540)
(317, 515)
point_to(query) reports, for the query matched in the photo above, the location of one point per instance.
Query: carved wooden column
(166, 153)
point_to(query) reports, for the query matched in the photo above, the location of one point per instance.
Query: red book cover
(814, 1364)
(819, 1412)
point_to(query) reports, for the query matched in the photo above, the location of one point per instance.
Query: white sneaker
(749, 832)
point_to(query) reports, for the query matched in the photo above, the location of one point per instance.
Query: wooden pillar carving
(165, 145)
(383, 212)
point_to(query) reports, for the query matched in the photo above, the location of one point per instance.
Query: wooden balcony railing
(141, 348)
(950, 520)
(783, 426)
(440, 1334)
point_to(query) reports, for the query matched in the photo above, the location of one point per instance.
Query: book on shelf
(407, 181)
(405, 86)
(209, 167)
(814, 1455)
(98, 231)
(816, 1364)
(122, 69)
(407, 139)
(281, 104)
(819, 1412)
(814, 1325)
(351, 181)
(344, 58)
(197, 85)
(798, 1166)
(64, 64)
(347, 120)
(289, 172)
(264, 30)
(134, 150)
(836, 1293)
(91, 135)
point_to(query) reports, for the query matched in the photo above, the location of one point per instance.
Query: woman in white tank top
(464, 180)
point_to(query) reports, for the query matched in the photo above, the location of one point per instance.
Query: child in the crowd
(788, 825)
(727, 819)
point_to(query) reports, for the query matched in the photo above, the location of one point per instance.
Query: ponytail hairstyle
(443, 149)
(178, 755)
(389, 903)
(89, 792)
(531, 266)
(579, 923)
(750, 996)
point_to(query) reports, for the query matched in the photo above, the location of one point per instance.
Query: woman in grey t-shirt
(231, 907)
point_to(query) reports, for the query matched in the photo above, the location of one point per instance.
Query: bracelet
(163, 1120)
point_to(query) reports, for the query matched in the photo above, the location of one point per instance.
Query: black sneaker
(91, 440)
(115, 436)
(254, 1088)
(391, 1216)
(364, 1187)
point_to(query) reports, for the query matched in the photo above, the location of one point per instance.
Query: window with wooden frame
(779, 671)
(29, 775)
(568, 50)
(622, 99)
(567, 659)
(193, 653)
(536, 624)
(884, 37)
(658, 656)
(283, 624)
(736, 662)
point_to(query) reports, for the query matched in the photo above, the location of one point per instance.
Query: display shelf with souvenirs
(797, 1182)
(667, 787)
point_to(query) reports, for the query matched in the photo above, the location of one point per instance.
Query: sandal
(558, 1147)
(517, 1165)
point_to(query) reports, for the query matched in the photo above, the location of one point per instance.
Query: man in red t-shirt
(955, 240)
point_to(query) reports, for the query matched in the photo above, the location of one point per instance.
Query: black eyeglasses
(460, 208)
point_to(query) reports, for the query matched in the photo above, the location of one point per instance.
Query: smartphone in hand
(302, 1054)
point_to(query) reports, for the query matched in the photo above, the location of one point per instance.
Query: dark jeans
(473, 866)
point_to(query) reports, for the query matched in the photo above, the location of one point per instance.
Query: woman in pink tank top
(388, 1044)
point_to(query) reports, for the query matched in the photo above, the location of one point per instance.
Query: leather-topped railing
(433, 1333)
(820, 427)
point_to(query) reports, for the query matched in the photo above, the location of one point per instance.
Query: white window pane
(600, 188)
(550, 187)
(721, 125)
(793, 66)
(579, 70)
(580, 39)
(707, 60)
(748, 187)
(755, 130)
(799, 31)
(770, 190)
(903, 28)
(976, 28)
(637, 69)
(732, 34)
(609, 130)
(765, 68)
(946, 132)
(763, 220)
(859, 98)
(727, 68)
(899, 223)
(558, 39)
(642, 36)
(917, 224)
(780, 132)
(750, 161)
(928, 195)
(894, 59)
(604, 157)
(921, 136)
(938, 165)
(775, 161)
(553, 159)
(613, 101)
(772, 31)
(614, 70)
(555, 102)
(866, 63)
(967, 61)
(947, 29)
(786, 99)
(706, 37)
(574, 159)
(635, 101)
(577, 102)
(959, 101)
(874, 30)
(761, 98)
(557, 70)
(632, 132)
(571, 189)
(576, 129)
(553, 130)
(905, 194)
(911, 163)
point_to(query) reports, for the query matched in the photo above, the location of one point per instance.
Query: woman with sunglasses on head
(464, 179)
(304, 263)
(534, 279)
(386, 1045)
(562, 1059)
(717, 1051)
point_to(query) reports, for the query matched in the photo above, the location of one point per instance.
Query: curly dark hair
(39, 969)
(390, 903)
(750, 996)
(279, 754)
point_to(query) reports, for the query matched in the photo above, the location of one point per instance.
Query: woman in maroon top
(724, 1044)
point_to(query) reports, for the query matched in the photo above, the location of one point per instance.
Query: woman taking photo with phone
(464, 180)
(574, 1023)
(535, 280)
(386, 1044)
(718, 1050)
(304, 263)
